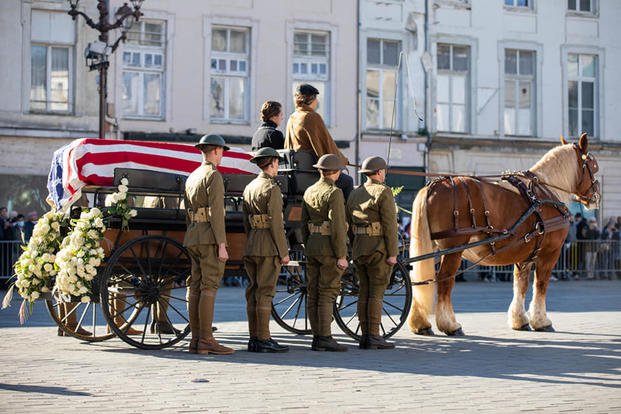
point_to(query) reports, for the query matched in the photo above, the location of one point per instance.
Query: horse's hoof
(456, 332)
(548, 328)
(525, 327)
(425, 332)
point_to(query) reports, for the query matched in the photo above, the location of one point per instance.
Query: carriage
(139, 291)
(140, 287)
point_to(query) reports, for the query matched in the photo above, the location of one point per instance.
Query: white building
(188, 68)
(505, 78)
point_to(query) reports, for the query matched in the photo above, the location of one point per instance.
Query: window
(453, 84)
(229, 73)
(51, 57)
(381, 87)
(582, 93)
(143, 71)
(585, 6)
(311, 64)
(519, 3)
(519, 112)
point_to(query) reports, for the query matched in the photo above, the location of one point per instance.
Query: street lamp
(97, 53)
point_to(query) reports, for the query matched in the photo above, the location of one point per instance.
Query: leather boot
(327, 344)
(207, 343)
(263, 321)
(375, 340)
(193, 300)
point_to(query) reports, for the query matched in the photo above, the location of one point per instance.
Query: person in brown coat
(266, 249)
(324, 232)
(306, 131)
(372, 216)
(205, 240)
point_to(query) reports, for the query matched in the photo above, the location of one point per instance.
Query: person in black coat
(267, 135)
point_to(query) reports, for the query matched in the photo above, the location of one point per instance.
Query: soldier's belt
(323, 228)
(201, 215)
(260, 221)
(371, 229)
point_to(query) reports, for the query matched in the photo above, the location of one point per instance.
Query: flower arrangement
(80, 254)
(35, 266)
(119, 205)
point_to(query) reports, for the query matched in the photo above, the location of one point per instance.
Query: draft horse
(525, 209)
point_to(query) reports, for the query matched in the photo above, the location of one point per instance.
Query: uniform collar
(372, 181)
(265, 175)
(209, 164)
(326, 180)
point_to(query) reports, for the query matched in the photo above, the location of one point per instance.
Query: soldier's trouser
(205, 279)
(373, 274)
(324, 283)
(263, 274)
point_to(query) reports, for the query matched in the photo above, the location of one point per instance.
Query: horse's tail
(421, 243)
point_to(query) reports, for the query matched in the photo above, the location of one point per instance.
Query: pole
(103, 96)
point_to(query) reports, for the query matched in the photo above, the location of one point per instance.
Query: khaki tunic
(369, 203)
(323, 201)
(204, 188)
(263, 196)
(306, 131)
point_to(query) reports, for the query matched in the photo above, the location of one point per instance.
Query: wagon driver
(372, 215)
(325, 245)
(266, 249)
(205, 239)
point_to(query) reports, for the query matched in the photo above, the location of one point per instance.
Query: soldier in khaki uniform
(266, 249)
(372, 217)
(325, 240)
(205, 239)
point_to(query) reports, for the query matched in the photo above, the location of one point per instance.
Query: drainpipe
(427, 93)
(358, 94)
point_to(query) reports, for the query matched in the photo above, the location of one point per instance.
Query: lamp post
(97, 53)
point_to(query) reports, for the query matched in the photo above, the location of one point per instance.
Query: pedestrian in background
(590, 233)
(372, 217)
(266, 249)
(324, 232)
(267, 135)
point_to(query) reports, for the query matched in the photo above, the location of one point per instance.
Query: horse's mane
(559, 168)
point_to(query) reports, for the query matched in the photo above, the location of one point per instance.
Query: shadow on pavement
(43, 390)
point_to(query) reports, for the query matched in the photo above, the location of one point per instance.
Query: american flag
(92, 162)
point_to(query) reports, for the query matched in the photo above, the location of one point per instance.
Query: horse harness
(529, 186)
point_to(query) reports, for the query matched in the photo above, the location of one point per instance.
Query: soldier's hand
(342, 263)
(223, 255)
(285, 260)
(392, 260)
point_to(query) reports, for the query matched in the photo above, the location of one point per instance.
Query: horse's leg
(537, 309)
(445, 316)
(518, 319)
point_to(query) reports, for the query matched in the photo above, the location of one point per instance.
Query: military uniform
(372, 216)
(325, 238)
(266, 245)
(204, 202)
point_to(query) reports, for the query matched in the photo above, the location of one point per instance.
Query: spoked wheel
(397, 301)
(84, 321)
(289, 303)
(143, 291)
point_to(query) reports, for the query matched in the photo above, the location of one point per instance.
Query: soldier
(325, 240)
(205, 239)
(266, 249)
(372, 216)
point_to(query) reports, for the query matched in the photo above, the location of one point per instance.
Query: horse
(523, 214)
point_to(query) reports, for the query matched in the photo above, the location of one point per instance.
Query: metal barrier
(9, 253)
(582, 259)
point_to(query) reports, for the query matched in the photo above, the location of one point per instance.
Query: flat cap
(212, 139)
(373, 164)
(306, 89)
(265, 152)
(329, 162)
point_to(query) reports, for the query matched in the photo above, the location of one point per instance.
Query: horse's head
(586, 189)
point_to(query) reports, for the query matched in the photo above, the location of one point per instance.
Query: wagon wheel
(397, 301)
(143, 292)
(83, 321)
(289, 303)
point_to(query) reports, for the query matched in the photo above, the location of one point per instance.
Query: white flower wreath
(79, 256)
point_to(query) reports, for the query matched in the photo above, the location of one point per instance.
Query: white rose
(56, 226)
(85, 299)
(35, 295)
(45, 289)
(121, 196)
(133, 213)
(95, 211)
(123, 188)
(124, 181)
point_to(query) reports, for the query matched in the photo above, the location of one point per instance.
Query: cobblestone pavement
(577, 368)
